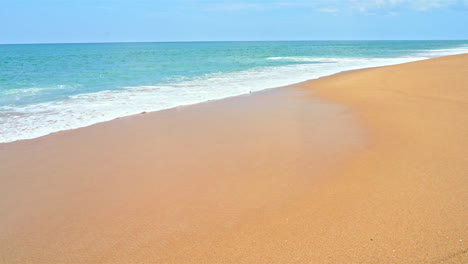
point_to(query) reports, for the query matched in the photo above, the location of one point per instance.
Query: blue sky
(59, 21)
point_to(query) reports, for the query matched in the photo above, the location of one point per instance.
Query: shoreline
(365, 166)
(213, 100)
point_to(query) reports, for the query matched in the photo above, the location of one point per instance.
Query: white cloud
(418, 5)
(432, 4)
(232, 6)
(330, 10)
(258, 5)
(332, 6)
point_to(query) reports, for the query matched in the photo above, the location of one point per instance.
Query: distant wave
(443, 52)
(332, 60)
(33, 90)
(417, 56)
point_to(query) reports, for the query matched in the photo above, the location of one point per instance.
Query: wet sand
(369, 166)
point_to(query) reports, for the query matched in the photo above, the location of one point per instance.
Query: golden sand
(373, 172)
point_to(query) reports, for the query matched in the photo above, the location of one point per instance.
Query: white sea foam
(328, 60)
(34, 90)
(443, 52)
(25, 122)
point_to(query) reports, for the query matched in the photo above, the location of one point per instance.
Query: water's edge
(211, 100)
(45, 89)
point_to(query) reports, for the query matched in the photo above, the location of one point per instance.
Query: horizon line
(204, 41)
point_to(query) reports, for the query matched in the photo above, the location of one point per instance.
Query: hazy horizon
(202, 41)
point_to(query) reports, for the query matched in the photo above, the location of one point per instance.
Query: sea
(45, 88)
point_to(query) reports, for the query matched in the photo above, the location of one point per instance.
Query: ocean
(45, 88)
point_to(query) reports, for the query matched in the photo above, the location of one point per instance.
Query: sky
(75, 21)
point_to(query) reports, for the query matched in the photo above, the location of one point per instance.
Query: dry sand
(375, 171)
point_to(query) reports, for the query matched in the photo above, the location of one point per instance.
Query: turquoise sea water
(46, 88)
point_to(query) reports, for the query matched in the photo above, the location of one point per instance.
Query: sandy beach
(368, 166)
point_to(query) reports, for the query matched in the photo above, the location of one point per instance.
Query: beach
(367, 166)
